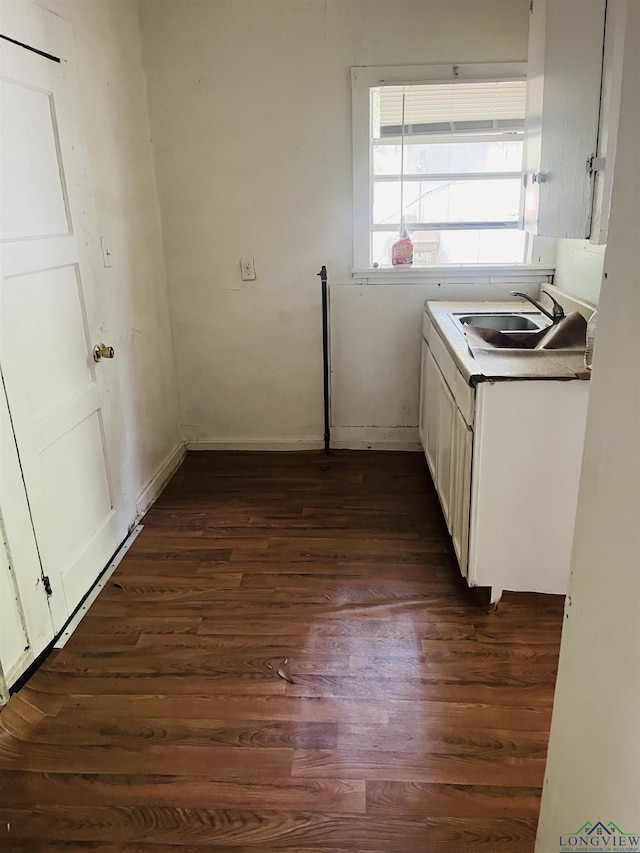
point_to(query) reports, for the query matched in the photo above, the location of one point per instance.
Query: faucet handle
(558, 310)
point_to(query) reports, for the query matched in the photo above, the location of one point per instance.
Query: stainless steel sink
(501, 322)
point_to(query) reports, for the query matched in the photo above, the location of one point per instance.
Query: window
(441, 155)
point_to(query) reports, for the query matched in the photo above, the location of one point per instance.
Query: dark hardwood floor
(287, 660)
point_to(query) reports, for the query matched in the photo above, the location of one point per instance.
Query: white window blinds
(452, 108)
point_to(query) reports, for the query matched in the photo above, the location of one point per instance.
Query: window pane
(482, 247)
(386, 203)
(473, 246)
(447, 201)
(444, 159)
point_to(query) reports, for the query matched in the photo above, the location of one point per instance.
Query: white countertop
(497, 364)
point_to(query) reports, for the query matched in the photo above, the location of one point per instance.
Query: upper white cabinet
(566, 42)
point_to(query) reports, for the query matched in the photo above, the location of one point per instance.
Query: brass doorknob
(101, 351)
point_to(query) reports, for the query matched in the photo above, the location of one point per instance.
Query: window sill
(480, 273)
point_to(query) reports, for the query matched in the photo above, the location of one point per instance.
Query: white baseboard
(240, 444)
(375, 438)
(342, 438)
(157, 483)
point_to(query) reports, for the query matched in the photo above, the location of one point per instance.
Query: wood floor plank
(25, 846)
(168, 625)
(389, 629)
(39, 846)
(180, 658)
(332, 603)
(441, 740)
(467, 715)
(222, 762)
(211, 554)
(214, 828)
(176, 568)
(161, 586)
(347, 582)
(337, 796)
(86, 729)
(364, 568)
(303, 595)
(287, 660)
(370, 764)
(519, 694)
(227, 538)
(232, 645)
(232, 707)
(462, 801)
(66, 683)
(336, 551)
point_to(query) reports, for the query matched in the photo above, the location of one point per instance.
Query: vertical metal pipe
(325, 357)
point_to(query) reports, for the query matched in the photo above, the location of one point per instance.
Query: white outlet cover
(247, 269)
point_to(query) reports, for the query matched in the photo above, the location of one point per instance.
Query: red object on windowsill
(402, 250)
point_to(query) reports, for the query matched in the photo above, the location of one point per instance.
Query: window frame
(363, 79)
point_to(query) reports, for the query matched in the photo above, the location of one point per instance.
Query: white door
(49, 325)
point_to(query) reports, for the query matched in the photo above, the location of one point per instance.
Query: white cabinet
(566, 42)
(505, 461)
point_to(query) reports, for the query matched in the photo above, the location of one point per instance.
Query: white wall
(593, 769)
(121, 176)
(579, 268)
(376, 340)
(251, 115)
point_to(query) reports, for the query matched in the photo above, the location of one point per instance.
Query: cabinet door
(461, 490)
(422, 413)
(563, 101)
(446, 416)
(432, 411)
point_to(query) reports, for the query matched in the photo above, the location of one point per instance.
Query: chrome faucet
(558, 312)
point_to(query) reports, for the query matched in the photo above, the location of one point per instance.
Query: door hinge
(595, 164)
(47, 584)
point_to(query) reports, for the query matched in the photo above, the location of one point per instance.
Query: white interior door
(48, 327)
